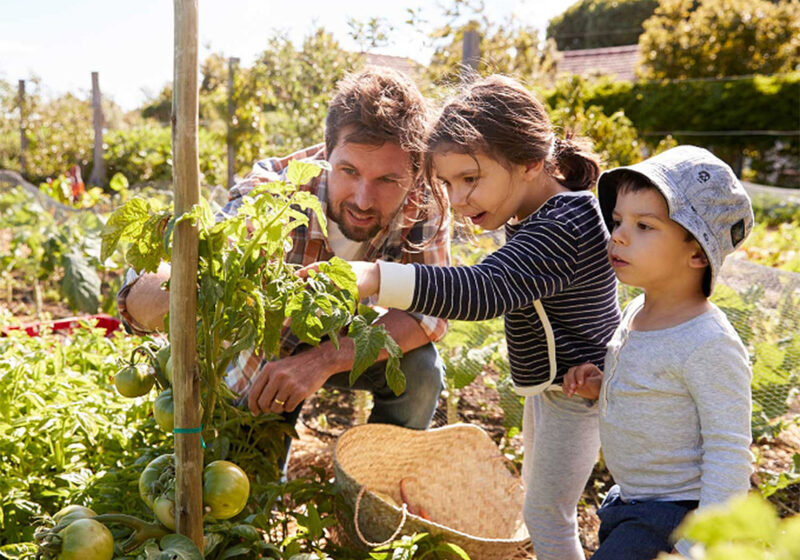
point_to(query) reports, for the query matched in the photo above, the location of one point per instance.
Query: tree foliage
(589, 24)
(507, 48)
(717, 38)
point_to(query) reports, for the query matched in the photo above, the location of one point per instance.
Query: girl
(494, 151)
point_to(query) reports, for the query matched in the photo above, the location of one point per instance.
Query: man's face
(366, 186)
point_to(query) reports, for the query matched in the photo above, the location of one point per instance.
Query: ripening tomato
(134, 381)
(164, 508)
(164, 359)
(69, 514)
(155, 477)
(225, 489)
(86, 539)
(164, 410)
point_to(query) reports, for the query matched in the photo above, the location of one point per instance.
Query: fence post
(183, 278)
(232, 62)
(98, 176)
(23, 139)
(470, 54)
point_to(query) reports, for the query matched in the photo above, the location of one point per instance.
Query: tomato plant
(246, 290)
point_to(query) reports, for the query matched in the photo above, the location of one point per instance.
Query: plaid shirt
(412, 225)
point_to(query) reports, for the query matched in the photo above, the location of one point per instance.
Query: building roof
(620, 61)
(400, 63)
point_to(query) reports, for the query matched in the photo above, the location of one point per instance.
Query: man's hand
(583, 380)
(368, 276)
(283, 384)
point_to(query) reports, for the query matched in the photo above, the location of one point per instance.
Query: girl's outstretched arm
(536, 262)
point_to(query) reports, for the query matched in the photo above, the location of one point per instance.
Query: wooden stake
(232, 62)
(183, 278)
(23, 139)
(470, 54)
(98, 176)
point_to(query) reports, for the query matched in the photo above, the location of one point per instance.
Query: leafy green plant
(747, 528)
(60, 432)
(246, 289)
(44, 251)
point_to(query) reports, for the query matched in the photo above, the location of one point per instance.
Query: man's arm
(293, 379)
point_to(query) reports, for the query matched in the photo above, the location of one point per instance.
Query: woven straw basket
(455, 474)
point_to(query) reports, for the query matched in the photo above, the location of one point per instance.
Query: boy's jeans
(637, 530)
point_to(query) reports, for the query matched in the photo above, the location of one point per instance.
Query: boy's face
(647, 249)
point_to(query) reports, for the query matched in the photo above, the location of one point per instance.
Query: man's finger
(279, 403)
(265, 403)
(261, 380)
(303, 272)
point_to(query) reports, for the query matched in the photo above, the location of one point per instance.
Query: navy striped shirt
(557, 255)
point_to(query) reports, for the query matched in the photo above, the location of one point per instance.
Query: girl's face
(481, 188)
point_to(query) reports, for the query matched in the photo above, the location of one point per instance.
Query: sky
(130, 43)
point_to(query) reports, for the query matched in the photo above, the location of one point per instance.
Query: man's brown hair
(380, 105)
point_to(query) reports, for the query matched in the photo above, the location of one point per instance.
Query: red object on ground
(66, 325)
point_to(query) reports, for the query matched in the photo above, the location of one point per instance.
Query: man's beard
(354, 233)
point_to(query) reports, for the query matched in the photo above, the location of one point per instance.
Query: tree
(717, 38)
(505, 48)
(589, 24)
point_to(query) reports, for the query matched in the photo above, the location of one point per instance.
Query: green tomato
(164, 410)
(164, 359)
(86, 539)
(155, 477)
(69, 514)
(164, 508)
(134, 381)
(225, 489)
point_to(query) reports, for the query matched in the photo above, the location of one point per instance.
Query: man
(376, 208)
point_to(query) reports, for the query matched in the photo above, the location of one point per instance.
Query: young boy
(675, 399)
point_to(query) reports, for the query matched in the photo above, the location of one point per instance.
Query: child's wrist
(395, 284)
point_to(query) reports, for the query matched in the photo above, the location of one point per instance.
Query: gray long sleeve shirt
(675, 410)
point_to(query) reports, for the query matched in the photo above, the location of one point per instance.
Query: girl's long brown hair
(498, 116)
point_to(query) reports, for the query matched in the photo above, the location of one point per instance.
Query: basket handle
(358, 529)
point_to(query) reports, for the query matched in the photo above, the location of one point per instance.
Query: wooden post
(470, 54)
(23, 139)
(232, 62)
(183, 278)
(98, 176)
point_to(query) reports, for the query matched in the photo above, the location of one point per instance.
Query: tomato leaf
(178, 547)
(301, 172)
(125, 224)
(80, 284)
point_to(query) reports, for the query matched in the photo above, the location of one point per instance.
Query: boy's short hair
(630, 182)
(702, 194)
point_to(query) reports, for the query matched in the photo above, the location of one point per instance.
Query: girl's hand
(583, 380)
(368, 276)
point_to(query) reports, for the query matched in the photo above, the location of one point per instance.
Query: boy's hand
(368, 276)
(583, 380)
